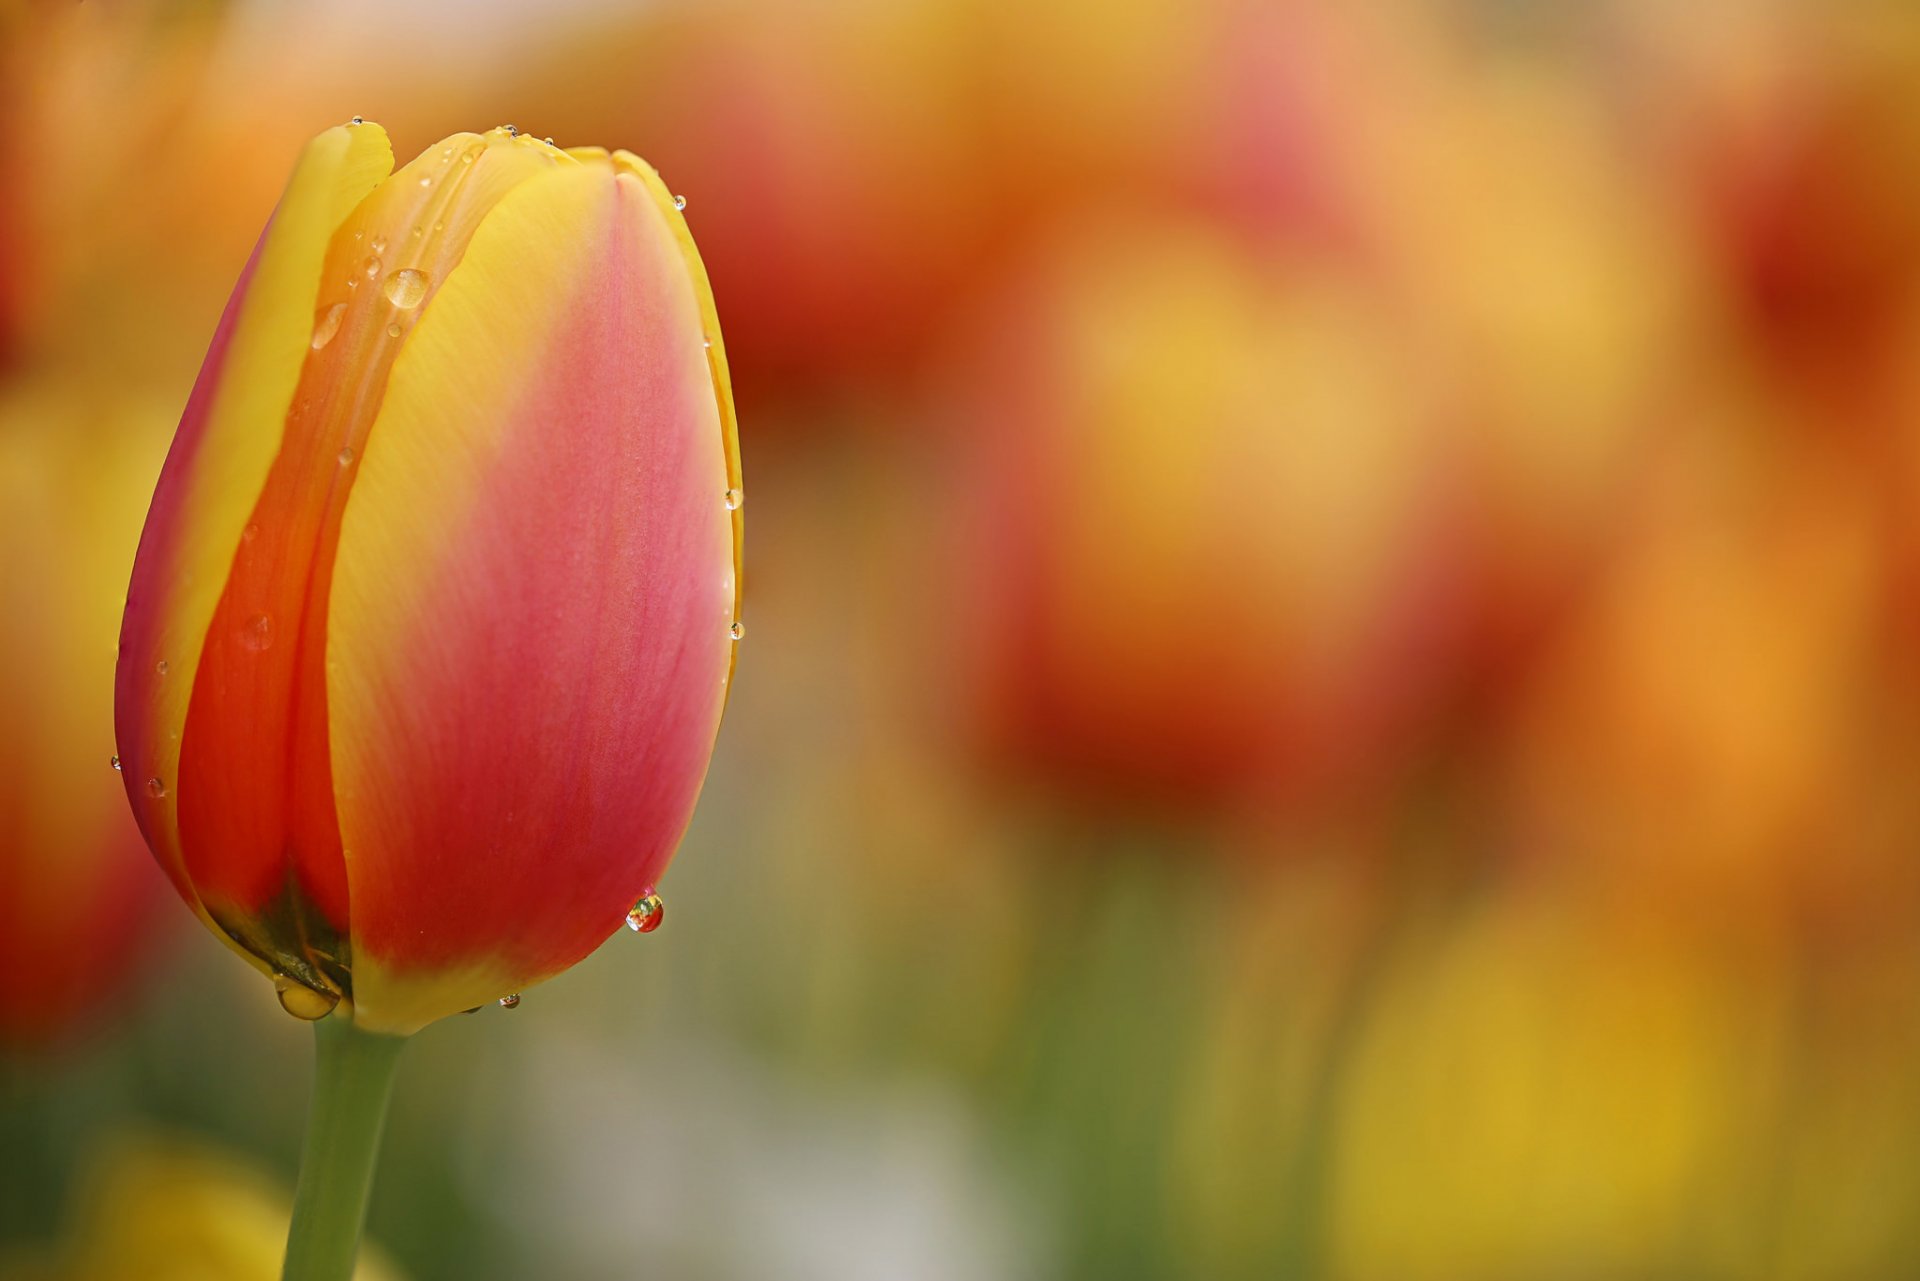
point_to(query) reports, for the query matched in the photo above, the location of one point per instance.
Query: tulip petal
(225, 446)
(256, 812)
(528, 636)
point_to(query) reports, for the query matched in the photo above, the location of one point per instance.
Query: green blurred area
(1329, 688)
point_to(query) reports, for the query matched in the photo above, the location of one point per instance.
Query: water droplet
(327, 324)
(156, 789)
(646, 915)
(353, 282)
(258, 633)
(115, 762)
(548, 140)
(371, 267)
(679, 202)
(358, 236)
(250, 533)
(406, 287)
(732, 499)
(393, 331)
(439, 226)
(358, 121)
(378, 244)
(302, 1001)
(346, 456)
(511, 131)
(416, 233)
(161, 667)
(446, 153)
(707, 343)
(466, 157)
(737, 629)
(510, 1000)
(426, 180)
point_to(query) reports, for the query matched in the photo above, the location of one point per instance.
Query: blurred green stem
(352, 1082)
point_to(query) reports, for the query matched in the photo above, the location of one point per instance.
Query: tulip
(1190, 520)
(71, 861)
(432, 623)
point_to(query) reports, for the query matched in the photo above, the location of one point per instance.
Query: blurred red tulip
(829, 162)
(1193, 514)
(77, 892)
(429, 633)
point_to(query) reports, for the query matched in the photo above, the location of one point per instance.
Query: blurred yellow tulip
(171, 1209)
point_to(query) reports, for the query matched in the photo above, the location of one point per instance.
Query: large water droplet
(327, 324)
(156, 789)
(115, 762)
(510, 1000)
(257, 634)
(646, 915)
(406, 287)
(302, 1001)
(732, 498)
(737, 629)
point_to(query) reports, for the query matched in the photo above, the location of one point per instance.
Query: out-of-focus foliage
(1329, 682)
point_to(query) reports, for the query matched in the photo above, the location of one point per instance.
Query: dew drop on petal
(346, 456)
(707, 343)
(371, 267)
(679, 202)
(425, 180)
(732, 498)
(406, 287)
(250, 533)
(258, 633)
(156, 789)
(327, 324)
(393, 331)
(646, 915)
(160, 668)
(358, 121)
(510, 1000)
(378, 244)
(737, 629)
(302, 1001)
(115, 762)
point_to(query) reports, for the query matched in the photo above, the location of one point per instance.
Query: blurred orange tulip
(1193, 508)
(433, 619)
(77, 892)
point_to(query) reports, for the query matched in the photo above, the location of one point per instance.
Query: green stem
(352, 1081)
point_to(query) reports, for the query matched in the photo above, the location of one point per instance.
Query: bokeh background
(1330, 687)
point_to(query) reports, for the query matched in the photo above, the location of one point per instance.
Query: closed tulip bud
(433, 618)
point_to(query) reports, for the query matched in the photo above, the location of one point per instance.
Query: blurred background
(1330, 688)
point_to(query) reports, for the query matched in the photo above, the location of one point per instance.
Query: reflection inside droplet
(645, 916)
